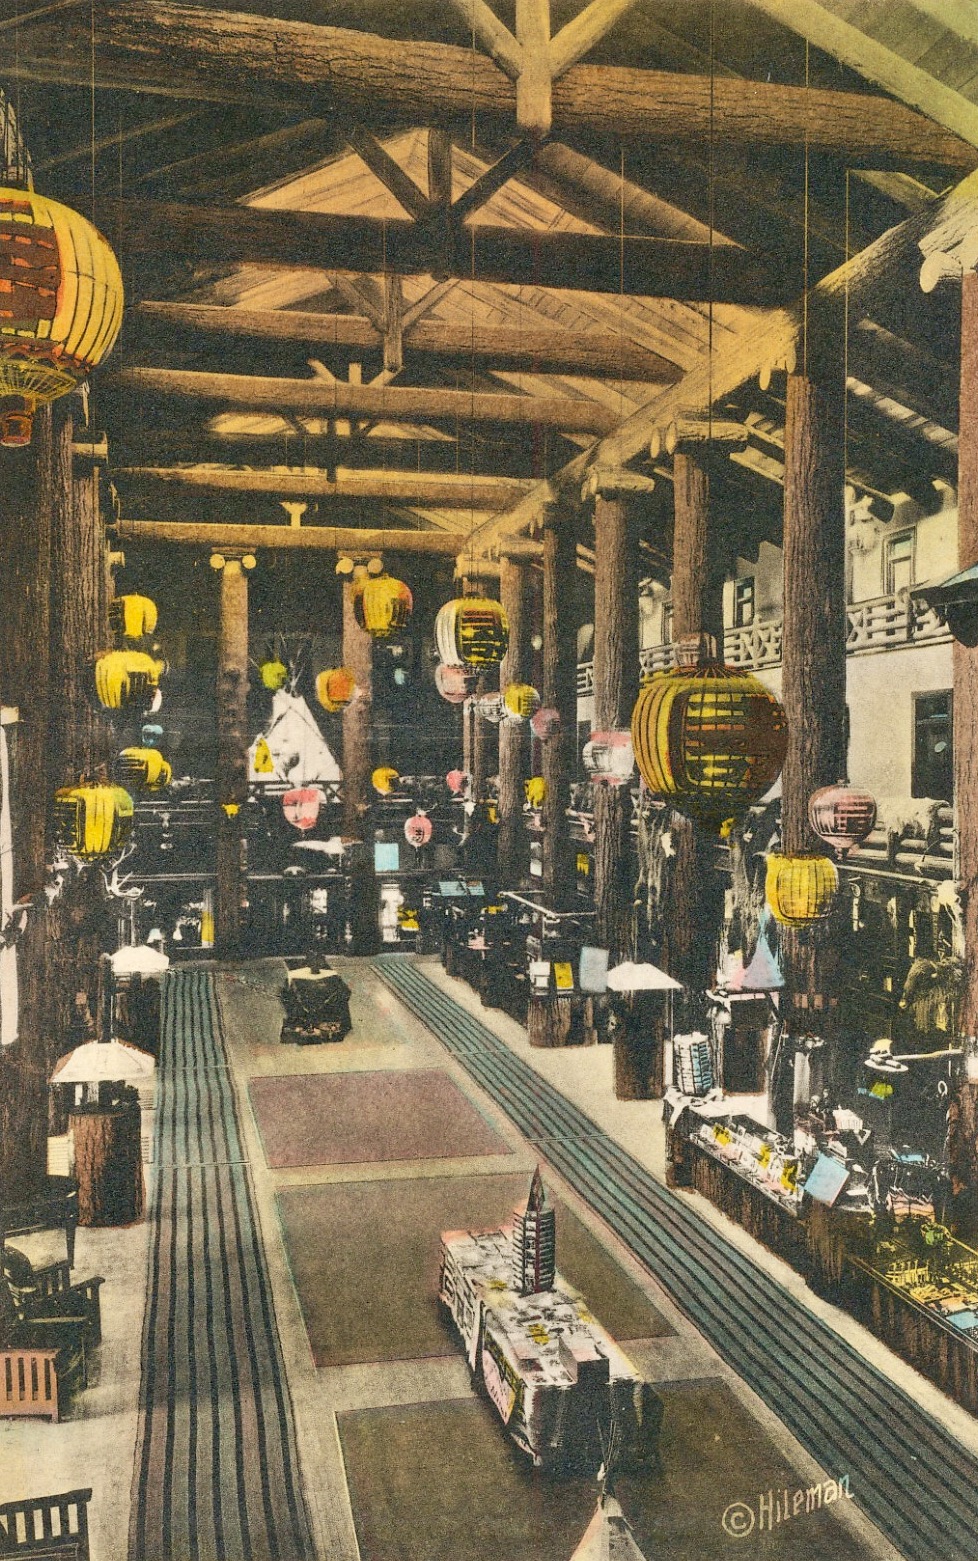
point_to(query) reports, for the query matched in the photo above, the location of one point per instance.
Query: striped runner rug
(216, 1474)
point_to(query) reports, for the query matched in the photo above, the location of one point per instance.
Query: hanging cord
(804, 290)
(711, 217)
(92, 101)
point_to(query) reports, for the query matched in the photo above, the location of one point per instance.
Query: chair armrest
(53, 1278)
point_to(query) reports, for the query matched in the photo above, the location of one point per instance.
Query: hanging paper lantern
(472, 631)
(609, 757)
(384, 779)
(301, 806)
(536, 791)
(456, 780)
(92, 820)
(418, 830)
(842, 816)
(522, 700)
(490, 707)
(262, 762)
(127, 677)
(546, 723)
(150, 735)
(335, 688)
(454, 683)
(800, 889)
(143, 769)
(273, 674)
(132, 616)
(60, 306)
(708, 738)
(381, 605)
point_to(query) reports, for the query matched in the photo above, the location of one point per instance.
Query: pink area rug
(354, 1118)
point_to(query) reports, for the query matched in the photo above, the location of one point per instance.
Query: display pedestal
(108, 1164)
(556, 1021)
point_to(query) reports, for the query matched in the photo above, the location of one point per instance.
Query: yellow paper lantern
(536, 791)
(132, 616)
(145, 769)
(126, 677)
(522, 700)
(273, 674)
(708, 738)
(61, 303)
(335, 688)
(382, 605)
(472, 631)
(800, 889)
(384, 779)
(92, 821)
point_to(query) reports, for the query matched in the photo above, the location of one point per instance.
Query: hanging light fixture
(335, 688)
(609, 757)
(456, 781)
(144, 769)
(800, 889)
(472, 631)
(382, 605)
(546, 723)
(418, 830)
(92, 819)
(301, 806)
(708, 738)
(491, 706)
(842, 816)
(127, 677)
(273, 673)
(384, 779)
(61, 300)
(131, 616)
(522, 700)
(454, 682)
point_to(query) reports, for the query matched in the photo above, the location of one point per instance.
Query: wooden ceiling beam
(432, 489)
(155, 45)
(600, 354)
(406, 404)
(649, 267)
(336, 539)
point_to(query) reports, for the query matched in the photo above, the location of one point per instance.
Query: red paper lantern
(454, 683)
(546, 723)
(301, 807)
(457, 780)
(335, 688)
(417, 830)
(842, 816)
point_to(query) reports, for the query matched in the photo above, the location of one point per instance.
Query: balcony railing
(882, 623)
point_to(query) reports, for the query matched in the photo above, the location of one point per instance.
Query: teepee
(608, 1536)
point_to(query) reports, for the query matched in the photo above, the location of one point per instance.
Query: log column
(559, 693)
(814, 642)
(616, 646)
(514, 740)
(692, 924)
(232, 753)
(358, 764)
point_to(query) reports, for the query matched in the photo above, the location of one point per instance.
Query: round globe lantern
(384, 779)
(127, 677)
(609, 757)
(301, 806)
(456, 781)
(382, 605)
(522, 700)
(92, 820)
(418, 830)
(709, 739)
(491, 707)
(61, 303)
(546, 723)
(130, 617)
(335, 688)
(273, 674)
(472, 631)
(454, 683)
(842, 816)
(143, 769)
(800, 889)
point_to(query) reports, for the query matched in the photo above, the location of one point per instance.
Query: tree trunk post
(559, 693)
(514, 742)
(358, 763)
(695, 912)
(232, 755)
(814, 643)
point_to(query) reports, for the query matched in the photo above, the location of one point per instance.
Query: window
(743, 602)
(933, 746)
(667, 632)
(898, 563)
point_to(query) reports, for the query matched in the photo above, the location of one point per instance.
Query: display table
(108, 1163)
(317, 1007)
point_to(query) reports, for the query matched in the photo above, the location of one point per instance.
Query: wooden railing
(882, 623)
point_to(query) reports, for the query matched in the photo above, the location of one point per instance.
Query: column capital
(945, 262)
(696, 432)
(239, 556)
(614, 482)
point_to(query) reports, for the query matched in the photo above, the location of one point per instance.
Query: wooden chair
(42, 1360)
(55, 1207)
(48, 1292)
(53, 1527)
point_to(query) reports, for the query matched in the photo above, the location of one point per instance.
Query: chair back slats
(46, 1526)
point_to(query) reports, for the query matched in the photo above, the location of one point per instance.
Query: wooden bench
(46, 1526)
(32, 1384)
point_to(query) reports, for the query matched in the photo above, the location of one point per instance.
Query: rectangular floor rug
(442, 1482)
(364, 1257)
(344, 1118)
